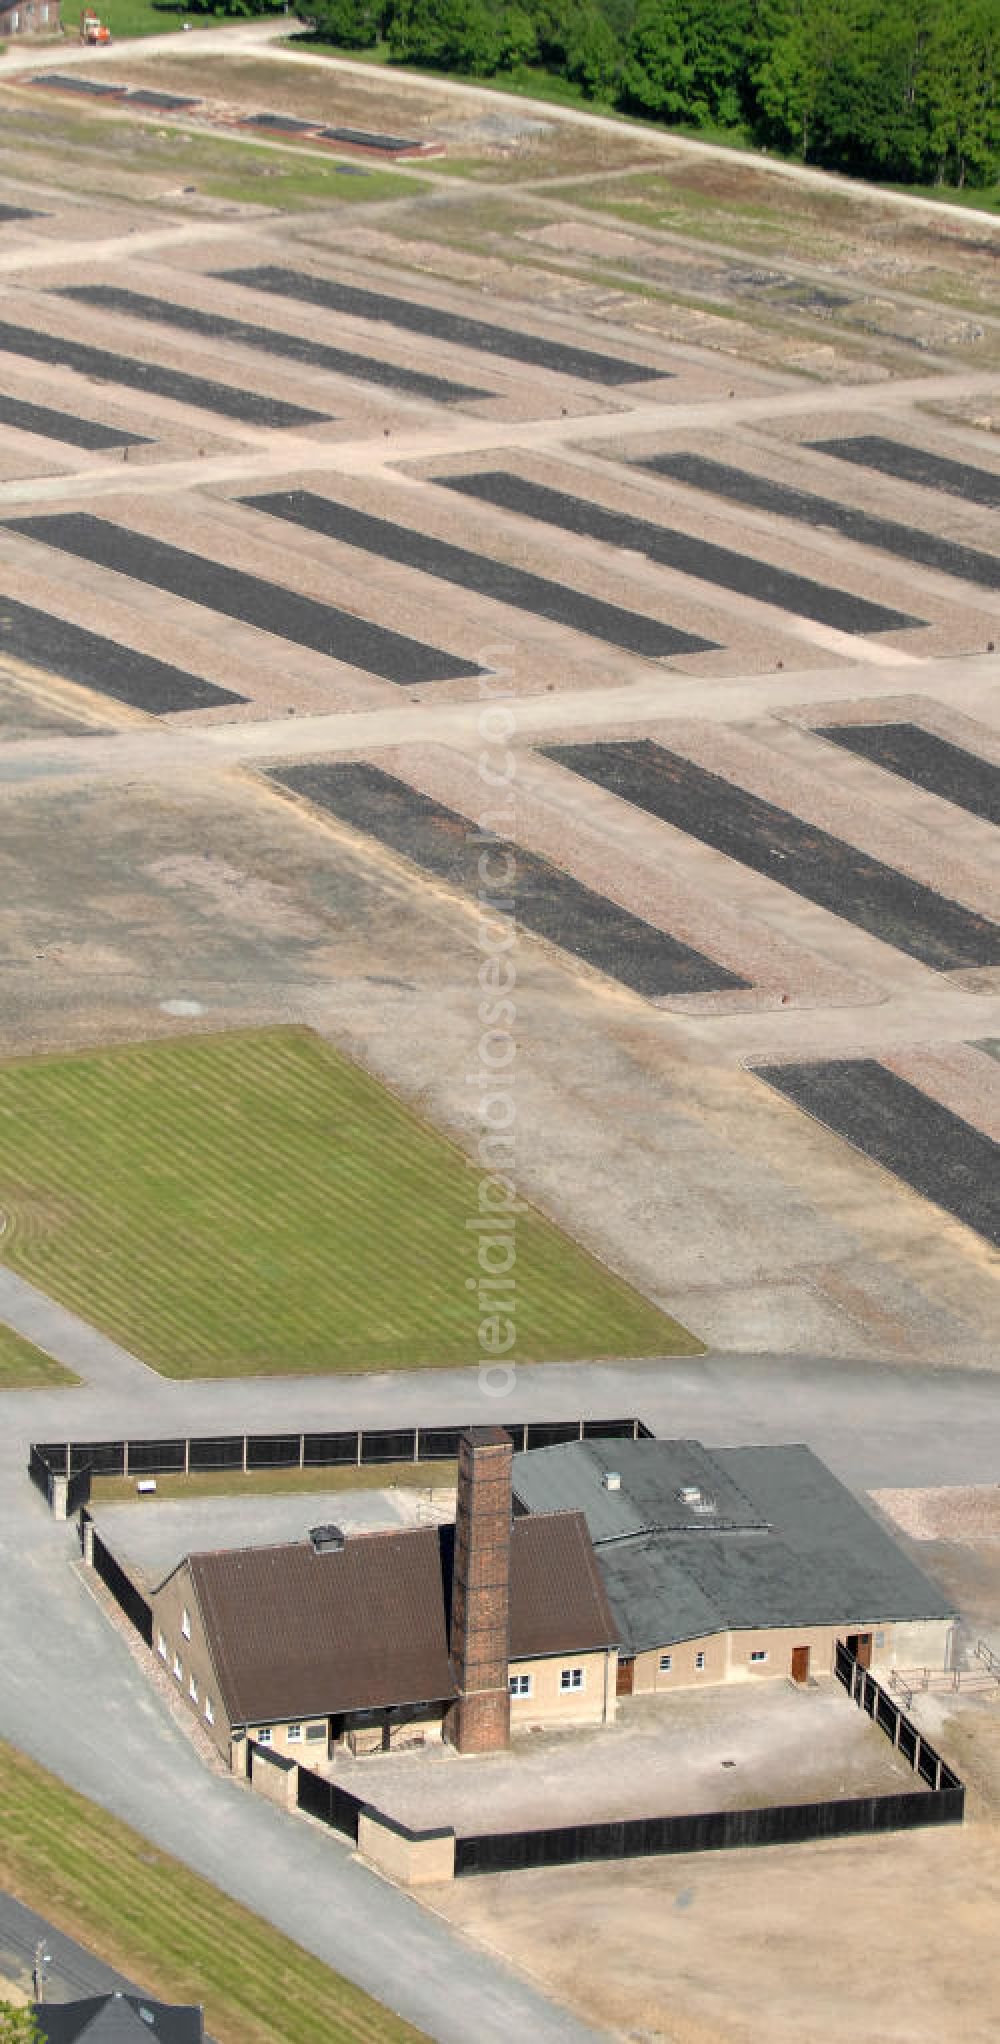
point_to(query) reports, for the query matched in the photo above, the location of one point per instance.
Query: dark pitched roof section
(118, 2019)
(801, 1551)
(300, 1634)
(558, 1602)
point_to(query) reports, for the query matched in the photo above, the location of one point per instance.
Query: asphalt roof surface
(785, 1544)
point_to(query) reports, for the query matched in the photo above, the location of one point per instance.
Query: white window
(315, 1731)
(161, 1646)
(666, 1663)
(178, 1670)
(209, 1712)
(571, 1678)
(193, 1690)
(294, 1734)
(186, 1622)
(520, 1685)
(758, 1655)
(699, 1661)
(263, 1735)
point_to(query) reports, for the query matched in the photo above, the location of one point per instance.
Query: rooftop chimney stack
(479, 1719)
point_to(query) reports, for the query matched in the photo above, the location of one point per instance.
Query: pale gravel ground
(965, 1512)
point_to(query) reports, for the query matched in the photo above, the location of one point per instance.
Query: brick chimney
(479, 1719)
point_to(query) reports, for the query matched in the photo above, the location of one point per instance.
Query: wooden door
(800, 1664)
(860, 1645)
(623, 1682)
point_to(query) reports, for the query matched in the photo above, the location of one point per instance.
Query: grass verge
(218, 1483)
(161, 1925)
(24, 1367)
(253, 1204)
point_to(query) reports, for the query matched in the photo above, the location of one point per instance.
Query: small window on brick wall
(520, 1685)
(666, 1663)
(186, 1622)
(294, 1734)
(263, 1735)
(699, 1661)
(758, 1655)
(571, 1678)
(161, 1646)
(209, 1712)
(178, 1670)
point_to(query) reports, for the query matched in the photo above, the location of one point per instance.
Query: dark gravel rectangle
(168, 102)
(313, 354)
(741, 573)
(543, 898)
(132, 374)
(103, 665)
(300, 620)
(454, 564)
(281, 124)
(363, 138)
(439, 325)
(76, 432)
(797, 855)
(737, 485)
(59, 82)
(904, 1130)
(916, 465)
(19, 213)
(926, 760)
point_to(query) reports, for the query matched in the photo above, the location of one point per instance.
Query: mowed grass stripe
(158, 1923)
(254, 1204)
(23, 1366)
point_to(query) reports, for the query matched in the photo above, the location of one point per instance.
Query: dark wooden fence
(122, 1588)
(891, 1718)
(352, 1447)
(332, 1805)
(708, 1831)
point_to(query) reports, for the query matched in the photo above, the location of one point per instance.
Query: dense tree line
(891, 89)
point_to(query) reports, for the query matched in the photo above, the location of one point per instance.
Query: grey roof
(786, 1545)
(118, 2018)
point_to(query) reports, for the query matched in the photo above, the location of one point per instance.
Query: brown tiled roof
(558, 1602)
(295, 1634)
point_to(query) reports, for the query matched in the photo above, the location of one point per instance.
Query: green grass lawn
(24, 1367)
(217, 1483)
(161, 1925)
(254, 1204)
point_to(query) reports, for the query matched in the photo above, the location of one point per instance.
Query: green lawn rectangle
(255, 1204)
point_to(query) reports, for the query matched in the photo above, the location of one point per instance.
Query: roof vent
(327, 1539)
(611, 1479)
(696, 1500)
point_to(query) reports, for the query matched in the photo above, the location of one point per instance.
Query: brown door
(623, 1682)
(860, 1645)
(800, 1664)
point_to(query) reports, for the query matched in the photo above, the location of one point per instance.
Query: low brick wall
(273, 1775)
(413, 1858)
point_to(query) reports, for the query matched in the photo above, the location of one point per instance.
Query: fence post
(897, 1725)
(244, 1454)
(60, 1486)
(302, 1451)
